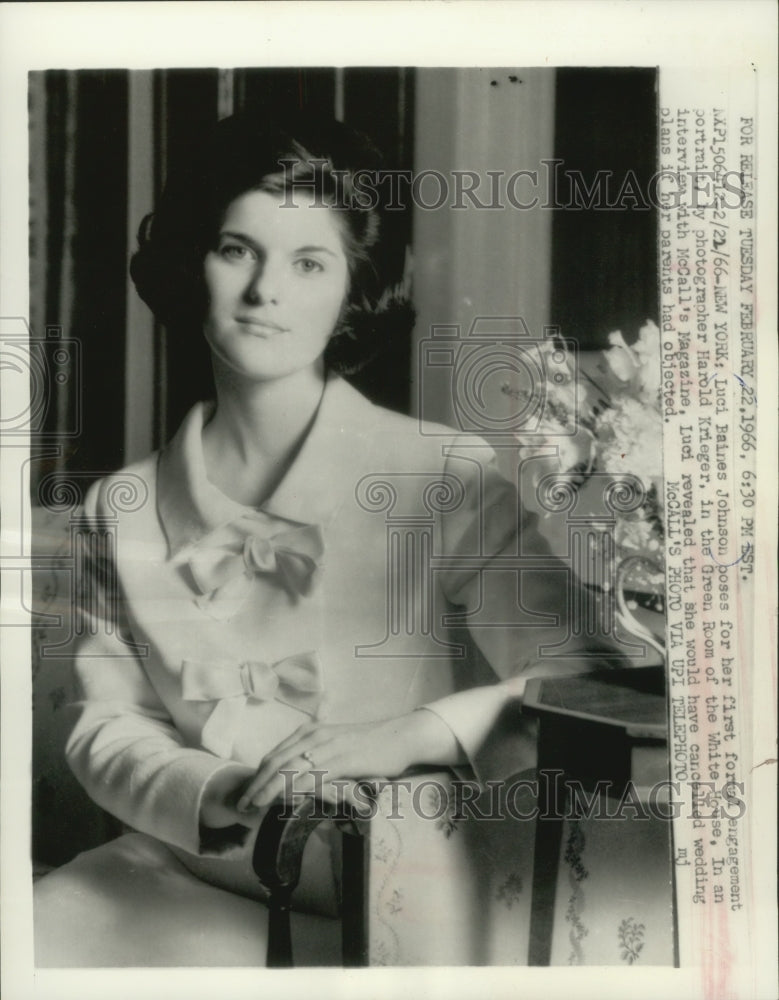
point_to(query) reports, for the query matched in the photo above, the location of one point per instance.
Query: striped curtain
(101, 143)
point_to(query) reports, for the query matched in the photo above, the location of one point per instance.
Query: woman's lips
(257, 325)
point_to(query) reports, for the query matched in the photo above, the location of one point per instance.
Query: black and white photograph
(332, 582)
(389, 520)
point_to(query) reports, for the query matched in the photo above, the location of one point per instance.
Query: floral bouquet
(608, 419)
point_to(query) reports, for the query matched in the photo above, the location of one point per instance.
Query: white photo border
(696, 35)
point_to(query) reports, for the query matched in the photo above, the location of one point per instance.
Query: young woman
(307, 582)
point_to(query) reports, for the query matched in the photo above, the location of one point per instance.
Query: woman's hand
(350, 751)
(218, 804)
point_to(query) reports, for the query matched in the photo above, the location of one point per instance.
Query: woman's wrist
(430, 740)
(220, 795)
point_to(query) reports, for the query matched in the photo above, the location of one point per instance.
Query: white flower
(618, 431)
(572, 449)
(620, 357)
(566, 394)
(637, 367)
(556, 450)
(630, 439)
(648, 384)
(647, 348)
(636, 535)
(555, 453)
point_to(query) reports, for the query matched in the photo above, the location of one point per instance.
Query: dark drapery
(604, 258)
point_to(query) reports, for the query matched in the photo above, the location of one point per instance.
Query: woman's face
(276, 282)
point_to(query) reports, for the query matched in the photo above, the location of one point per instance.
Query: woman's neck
(257, 429)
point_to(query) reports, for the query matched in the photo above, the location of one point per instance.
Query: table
(590, 727)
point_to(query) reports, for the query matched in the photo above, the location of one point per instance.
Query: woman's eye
(308, 265)
(234, 251)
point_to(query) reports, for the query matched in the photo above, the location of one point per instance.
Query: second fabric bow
(295, 681)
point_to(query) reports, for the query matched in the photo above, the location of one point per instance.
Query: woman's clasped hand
(329, 761)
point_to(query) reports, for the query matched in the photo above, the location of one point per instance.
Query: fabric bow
(223, 571)
(295, 681)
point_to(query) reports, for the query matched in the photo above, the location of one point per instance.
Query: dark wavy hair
(253, 153)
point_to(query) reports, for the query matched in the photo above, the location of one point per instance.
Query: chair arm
(277, 859)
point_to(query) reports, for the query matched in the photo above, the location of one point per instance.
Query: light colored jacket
(406, 575)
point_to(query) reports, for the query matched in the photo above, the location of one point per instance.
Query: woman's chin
(263, 363)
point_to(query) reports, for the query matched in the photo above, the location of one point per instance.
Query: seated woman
(282, 582)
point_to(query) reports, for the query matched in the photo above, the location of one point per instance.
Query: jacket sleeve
(515, 598)
(124, 747)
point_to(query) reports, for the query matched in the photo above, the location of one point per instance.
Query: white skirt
(132, 903)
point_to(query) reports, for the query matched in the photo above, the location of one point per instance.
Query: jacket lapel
(321, 476)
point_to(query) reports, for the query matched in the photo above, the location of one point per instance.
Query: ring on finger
(307, 755)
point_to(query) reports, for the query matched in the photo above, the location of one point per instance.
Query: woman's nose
(263, 286)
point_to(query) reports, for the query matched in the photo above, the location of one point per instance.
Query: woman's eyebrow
(232, 235)
(315, 249)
